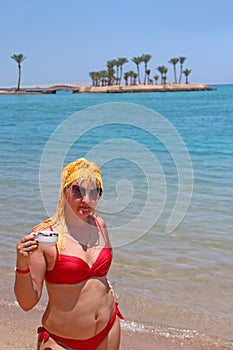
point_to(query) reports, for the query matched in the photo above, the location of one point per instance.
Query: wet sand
(18, 331)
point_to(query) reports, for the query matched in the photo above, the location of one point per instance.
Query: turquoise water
(177, 282)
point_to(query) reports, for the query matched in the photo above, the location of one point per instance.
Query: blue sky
(64, 40)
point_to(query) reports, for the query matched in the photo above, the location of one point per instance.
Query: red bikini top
(71, 269)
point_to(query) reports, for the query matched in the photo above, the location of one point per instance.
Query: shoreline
(18, 329)
(26, 92)
(144, 88)
(109, 89)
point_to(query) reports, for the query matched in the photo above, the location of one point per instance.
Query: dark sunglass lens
(94, 194)
(76, 191)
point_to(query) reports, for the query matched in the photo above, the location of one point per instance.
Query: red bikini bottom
(82, 344)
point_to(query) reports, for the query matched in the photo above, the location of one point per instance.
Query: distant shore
(109, 89)
(144, 88)
(26, 91)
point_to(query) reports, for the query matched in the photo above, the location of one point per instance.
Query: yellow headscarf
(81, 169)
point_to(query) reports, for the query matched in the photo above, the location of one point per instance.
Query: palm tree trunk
(117, 79)
(145, 74)
(181, 71)
(175, 74)
(19, 78)
(139, 81)
(121, 69)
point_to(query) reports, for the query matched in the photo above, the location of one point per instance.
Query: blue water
(174, 280)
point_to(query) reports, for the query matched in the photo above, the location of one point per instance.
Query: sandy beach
(18, 331)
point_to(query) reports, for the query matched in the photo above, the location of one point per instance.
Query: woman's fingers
(27, 245)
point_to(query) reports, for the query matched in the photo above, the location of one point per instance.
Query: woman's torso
(81, 301)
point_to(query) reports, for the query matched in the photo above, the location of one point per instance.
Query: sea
(167, 165)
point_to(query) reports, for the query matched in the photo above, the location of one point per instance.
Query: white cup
(47, 238)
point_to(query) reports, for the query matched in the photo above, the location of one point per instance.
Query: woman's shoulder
(100, 221)
(103, 227)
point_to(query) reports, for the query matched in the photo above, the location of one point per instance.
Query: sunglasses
(80, 192)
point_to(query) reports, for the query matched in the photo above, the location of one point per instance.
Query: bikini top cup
(71, 269)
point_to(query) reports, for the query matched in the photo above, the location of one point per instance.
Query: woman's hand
(25, 247)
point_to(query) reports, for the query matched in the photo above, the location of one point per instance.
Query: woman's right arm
(30, 272)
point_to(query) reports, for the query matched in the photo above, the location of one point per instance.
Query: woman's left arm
(28, 286)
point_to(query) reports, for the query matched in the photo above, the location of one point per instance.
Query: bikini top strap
(100, 228)
(57, 249)
(51, 229)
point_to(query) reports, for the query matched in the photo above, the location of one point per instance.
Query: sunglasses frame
(82, 192)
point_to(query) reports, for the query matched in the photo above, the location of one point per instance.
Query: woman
(81, 313)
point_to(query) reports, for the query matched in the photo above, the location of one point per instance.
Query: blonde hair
(79, 170)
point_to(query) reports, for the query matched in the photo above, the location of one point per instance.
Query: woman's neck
(73, 220)
(81, 230)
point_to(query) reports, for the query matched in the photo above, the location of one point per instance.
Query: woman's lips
(84, 207)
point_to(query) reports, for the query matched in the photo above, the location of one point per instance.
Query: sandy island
(143, 88)
(109, 89)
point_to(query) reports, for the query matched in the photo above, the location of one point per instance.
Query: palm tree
(111, 77)
(132, 77)
(174, 61)
(156, 78)
(126, 77)
(161, 71)
(95, 76)
(121, 61)
(117, 64)
(186, 72)
(145, 58)
(103, 75)
(165, 75)
(19, 59)
(92, 76)
(110, 65)
(148, 75)
(137, 61)
(181, 60)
